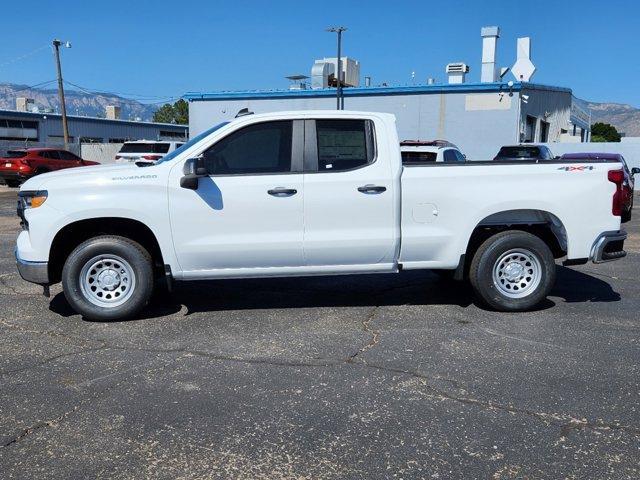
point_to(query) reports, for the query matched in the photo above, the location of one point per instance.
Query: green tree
(177, 113)
(603, 132)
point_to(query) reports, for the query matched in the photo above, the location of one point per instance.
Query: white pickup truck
(312, 193)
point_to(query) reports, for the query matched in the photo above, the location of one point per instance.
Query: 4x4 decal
(580, 168)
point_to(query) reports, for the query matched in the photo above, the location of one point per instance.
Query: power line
(24, 56)
(37, 85)
(120, 94)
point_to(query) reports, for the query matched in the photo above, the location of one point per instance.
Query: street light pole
(339, 98)
(63, 108)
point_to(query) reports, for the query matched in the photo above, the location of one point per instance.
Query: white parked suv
(145, 151)
(419, 152)
(312, 193)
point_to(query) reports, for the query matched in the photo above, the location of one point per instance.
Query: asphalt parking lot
(398, 376)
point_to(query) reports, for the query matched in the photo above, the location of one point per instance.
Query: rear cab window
(524, 152)
(418, 158)
(159, 147)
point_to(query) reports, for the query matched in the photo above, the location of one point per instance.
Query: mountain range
(624, 117)
(78, 102)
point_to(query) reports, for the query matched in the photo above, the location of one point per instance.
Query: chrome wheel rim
(107, 281)
(517, 273)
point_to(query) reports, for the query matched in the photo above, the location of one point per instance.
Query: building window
(90, 140)
(18, 130)
(59, 139)
(117, 140)
(165, 134)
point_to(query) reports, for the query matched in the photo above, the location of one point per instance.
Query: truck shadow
(407, 288)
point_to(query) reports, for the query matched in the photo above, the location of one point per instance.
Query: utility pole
(63, 108)
(339, 97)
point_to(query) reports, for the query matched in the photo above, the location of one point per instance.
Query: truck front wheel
(108, 278)
(513, 271)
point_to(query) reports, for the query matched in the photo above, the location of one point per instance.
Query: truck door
(247, 214)
(349, 203)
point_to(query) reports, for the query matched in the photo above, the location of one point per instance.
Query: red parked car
(18, 165)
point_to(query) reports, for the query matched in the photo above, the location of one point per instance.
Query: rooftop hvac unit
(457, 72)
(323, 73)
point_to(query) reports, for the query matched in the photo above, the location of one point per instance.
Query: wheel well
(543, 225)
(72, 235)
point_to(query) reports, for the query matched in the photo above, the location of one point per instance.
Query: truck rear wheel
(108, 278)
(513, 271)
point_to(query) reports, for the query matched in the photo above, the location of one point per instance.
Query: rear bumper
(12, 175)
(34, 272)
(609, 246)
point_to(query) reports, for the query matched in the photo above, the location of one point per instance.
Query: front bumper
(34, 272)
(609, 246)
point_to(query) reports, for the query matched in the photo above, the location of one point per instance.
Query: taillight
(152, 157)
(617, 177)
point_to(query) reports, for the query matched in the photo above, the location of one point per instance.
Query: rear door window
(344, 144)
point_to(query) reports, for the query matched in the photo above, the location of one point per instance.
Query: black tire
(12, 183)
(107, 247)
(515, 273)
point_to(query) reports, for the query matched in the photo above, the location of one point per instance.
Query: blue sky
(163, 49)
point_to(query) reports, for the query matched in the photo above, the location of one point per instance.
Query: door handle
(282, 192)
(372, 189)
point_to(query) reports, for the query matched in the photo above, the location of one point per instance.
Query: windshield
(145, 147)
(519, 152)
(191, 143)
(16, 154)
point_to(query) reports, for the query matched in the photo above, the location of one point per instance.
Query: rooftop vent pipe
(457, 72)
(490, 37)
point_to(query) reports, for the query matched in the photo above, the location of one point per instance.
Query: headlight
(32, 198)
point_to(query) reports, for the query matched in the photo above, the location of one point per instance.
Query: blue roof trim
(19, 114)
(367, 91)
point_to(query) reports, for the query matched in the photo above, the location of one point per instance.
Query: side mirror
(635, 170)
(193, 169)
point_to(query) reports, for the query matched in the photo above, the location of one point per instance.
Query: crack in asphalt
(375, 335)
(567, 423)
(51, 333)
(12, 289)
(49, 360)
(34, 428)
(53, 422)
(598, 274)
